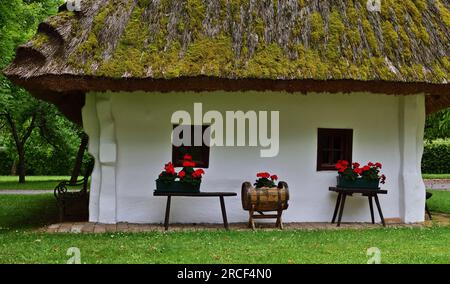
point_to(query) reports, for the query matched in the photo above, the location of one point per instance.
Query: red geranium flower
(358, 170)
(356, 165)
(170, 168)
(182, 174)
(198, 173)
(274, 177)
(341, 170)
(378, 165)
(344, 163)
(263, 175)
(366, 168)
(370, 164)
(188, 164)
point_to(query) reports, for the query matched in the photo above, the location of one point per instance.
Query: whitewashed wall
(130, 138)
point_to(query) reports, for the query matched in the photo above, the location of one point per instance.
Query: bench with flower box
(186, 183)
(354, 179)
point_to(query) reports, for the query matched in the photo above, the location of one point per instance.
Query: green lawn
(436, 176)
(440, 201)
(32, 182)
(431, 245)
(20, 244)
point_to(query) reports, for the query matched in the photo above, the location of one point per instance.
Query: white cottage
(345, 81)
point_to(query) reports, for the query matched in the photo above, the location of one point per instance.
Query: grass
(431, 245)
(440, 201)
(436, 176)
(32, 182)
(20, 244)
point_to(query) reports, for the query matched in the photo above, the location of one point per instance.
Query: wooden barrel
(265, 199)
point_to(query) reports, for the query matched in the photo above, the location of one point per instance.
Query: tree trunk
(21, 165)
(20, 143)
(14, 168)
(79, 160)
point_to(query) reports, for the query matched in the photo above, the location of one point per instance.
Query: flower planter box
(176, 186)
(358, 183)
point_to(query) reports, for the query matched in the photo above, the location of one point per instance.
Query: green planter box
(176, 186)
(358, 183)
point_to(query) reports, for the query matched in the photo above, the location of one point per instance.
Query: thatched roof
(292, 45)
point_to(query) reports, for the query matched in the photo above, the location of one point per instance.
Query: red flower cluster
(198, 173)
(188, 163)
(265, 180)
(267, 175)
(263, 175)
(187, 174)
(343, 165)
(169, 168)
(371, 170)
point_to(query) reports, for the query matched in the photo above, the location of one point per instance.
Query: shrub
(436, 158)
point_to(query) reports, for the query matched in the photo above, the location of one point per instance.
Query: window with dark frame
(333, 145)
(200, 154)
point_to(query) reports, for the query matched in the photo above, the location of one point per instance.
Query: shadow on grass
(27, 211)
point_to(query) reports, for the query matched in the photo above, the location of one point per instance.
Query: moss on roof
(407, 41)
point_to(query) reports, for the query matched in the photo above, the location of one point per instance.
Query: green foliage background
(52, 146)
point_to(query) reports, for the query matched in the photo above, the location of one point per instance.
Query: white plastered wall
(130, 139)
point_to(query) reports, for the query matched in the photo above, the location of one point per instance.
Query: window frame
(205, 149)
(346, 147)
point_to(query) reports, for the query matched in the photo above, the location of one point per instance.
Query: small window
(333, 145)
(200, 154)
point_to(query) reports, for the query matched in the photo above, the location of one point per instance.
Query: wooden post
(344, 196)
(336, 208)
(371, 209)
(166, 219)
(224, 212)
(379, 210)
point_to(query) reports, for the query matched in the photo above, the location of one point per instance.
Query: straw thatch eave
(293, 45)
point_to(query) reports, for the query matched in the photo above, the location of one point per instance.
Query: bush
(436, 158)
(5, 163)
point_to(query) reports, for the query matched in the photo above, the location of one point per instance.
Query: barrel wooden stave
(265, 199)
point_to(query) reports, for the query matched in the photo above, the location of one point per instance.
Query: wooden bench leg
(61, 211)
(336, 208)
(428, 211)
(166, 219)
(379, 210)
(224, 212)
(371, 209)
(279, 222)
(251, 222)
(344, 196)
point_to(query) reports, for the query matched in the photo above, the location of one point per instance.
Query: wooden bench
(74, 204)
(221, 196)
(344, 192)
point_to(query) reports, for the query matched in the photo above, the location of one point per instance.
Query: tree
(437, 125)
(20, 113)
